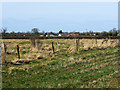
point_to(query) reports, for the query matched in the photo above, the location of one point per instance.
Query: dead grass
(45, 49)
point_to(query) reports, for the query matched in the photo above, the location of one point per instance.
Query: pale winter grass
(89, 63)
(45, 49)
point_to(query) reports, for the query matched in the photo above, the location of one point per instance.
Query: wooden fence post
(77, 45)
(3, 56)
(57, 44)
(53, 47)
(37, 46)
(96, 42)
(18, 52)
(92, 42)
(4, 47)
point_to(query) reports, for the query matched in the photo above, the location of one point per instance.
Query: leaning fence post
(53, 47)
(18, 53)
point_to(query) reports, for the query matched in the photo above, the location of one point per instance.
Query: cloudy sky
(53, 16)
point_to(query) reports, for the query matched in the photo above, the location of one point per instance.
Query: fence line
(33, 44)
(77, 37)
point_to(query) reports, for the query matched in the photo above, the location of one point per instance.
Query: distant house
(74, 33)
(52, 35)
(43, 35)
(59, 34)
(63, 34)
(66, 33)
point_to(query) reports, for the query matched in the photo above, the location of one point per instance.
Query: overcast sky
(53, 16)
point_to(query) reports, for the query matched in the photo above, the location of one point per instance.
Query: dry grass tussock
(43, 48)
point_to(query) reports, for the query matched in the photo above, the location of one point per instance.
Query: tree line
(35, 32)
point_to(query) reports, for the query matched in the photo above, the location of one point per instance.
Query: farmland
(91, 64)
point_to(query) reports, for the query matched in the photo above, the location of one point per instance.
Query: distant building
(41, 35)
(52, 35)
(63, 34)
(74, 33)
(59, 35)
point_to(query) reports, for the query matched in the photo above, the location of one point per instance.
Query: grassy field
(95, 65)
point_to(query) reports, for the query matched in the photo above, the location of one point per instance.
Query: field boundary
(61, 37)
